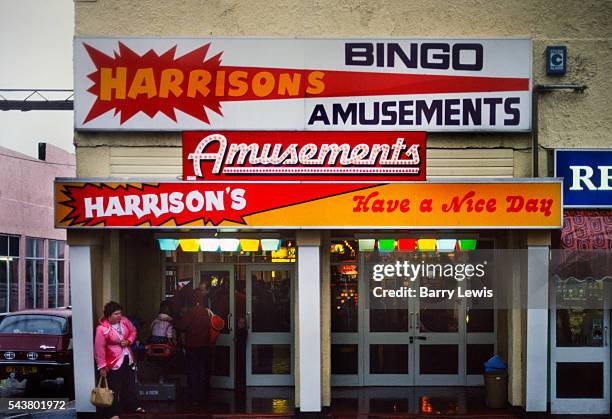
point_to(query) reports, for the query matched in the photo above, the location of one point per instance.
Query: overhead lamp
(249, 245)
(189, 245)
(426, 245)
(366, 245)
(209, 245)
(168, 245)
(269, 245)
(386, 245)
(229, 245)
(446, 245)
(406, 245)
(467, 244)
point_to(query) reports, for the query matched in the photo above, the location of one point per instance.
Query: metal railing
(36, 100)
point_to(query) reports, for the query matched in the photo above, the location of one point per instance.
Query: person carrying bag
(116, 362)
(101, 395)
(216, 326)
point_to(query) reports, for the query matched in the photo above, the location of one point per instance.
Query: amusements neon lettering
(309, 158)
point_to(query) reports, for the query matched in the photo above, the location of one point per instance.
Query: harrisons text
(164, 203)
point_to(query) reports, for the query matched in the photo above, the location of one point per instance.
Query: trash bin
(496, 382)
(496, 387)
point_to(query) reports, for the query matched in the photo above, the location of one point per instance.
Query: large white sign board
(164, 84)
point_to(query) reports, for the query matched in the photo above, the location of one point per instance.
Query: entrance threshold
(414, 402)
(347, 402)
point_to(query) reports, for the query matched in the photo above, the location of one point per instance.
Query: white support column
(309, 318)
(82, 327)
(537, 328)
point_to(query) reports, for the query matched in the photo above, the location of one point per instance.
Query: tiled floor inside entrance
(413, 402)
(366, 402)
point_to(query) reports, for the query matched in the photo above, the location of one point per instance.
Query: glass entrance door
(269, 358)
(407, 341)
(388, 356)
(580, 356)
(417, 342)
(438, 336)
(221, 282)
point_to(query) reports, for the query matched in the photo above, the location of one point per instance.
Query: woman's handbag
(216, 326)
(101, 395)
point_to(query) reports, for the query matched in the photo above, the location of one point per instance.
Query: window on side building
(35, 265)
(9, 273)
(56, 263)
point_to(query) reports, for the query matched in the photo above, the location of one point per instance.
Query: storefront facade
(580, 284)
(327, 230)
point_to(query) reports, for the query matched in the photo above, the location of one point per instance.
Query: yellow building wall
(566, 119)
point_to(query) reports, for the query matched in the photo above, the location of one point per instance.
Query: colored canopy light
(269, 245)
(467, 244)
(406, 244)
(249, 245)
(209, 245)
(426, 245)
(446, 245)
(366, 245)
(229, 245)
(189, 245)
(386, 245)
(168, 244)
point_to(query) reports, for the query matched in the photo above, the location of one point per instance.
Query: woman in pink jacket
(115, 359)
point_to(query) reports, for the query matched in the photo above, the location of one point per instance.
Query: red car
(37, 344)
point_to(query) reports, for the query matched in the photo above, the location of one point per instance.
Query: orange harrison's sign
(309, 205)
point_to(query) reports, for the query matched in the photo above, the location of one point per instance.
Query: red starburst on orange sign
(129, 83)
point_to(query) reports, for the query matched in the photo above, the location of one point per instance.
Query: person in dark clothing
(182, 301)
(196, 324)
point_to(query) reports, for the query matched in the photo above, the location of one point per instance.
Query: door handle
(421, 337)
(248, 321)
(410, 321)
(229, 322)
(606, 336)
(411, 339)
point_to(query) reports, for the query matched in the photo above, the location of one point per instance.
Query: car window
(35, 324)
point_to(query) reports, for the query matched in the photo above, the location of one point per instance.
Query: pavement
(68, 413)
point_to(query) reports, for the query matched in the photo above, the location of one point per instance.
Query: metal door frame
(579, 354)
(372, 338)
(269, 338)
(363, 338)
(352, 338)
(224, 339)
(440, 338)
